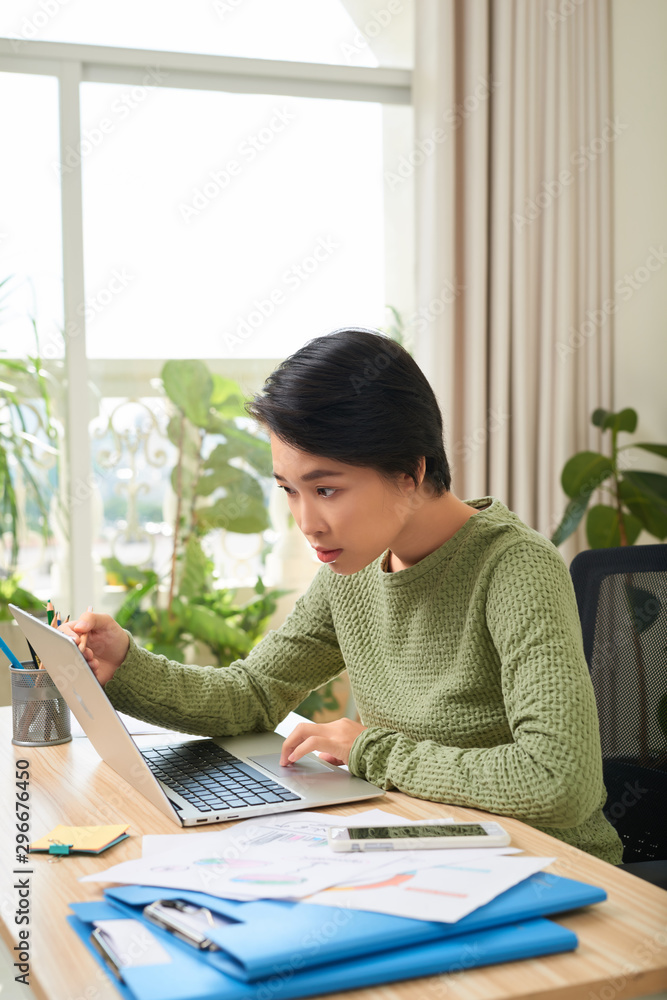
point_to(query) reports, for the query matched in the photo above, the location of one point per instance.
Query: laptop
(192, 781)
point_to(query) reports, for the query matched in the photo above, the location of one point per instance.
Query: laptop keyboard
(212, 779)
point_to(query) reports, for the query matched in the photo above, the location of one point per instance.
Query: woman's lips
(328, 555)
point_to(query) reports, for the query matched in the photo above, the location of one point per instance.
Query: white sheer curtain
(512, 162)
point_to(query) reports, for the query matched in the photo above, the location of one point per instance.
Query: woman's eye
(326, 489)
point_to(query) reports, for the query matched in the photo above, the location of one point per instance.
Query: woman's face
(350, 513)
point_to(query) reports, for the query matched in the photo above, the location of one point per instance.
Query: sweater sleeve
(250, 695)
(550, 774)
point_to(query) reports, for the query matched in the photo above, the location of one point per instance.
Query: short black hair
(357, 396)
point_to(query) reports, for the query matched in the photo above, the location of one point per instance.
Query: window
(326, 31)
(228, 225)
(227, 209)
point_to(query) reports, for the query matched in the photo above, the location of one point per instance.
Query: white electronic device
(416, 836)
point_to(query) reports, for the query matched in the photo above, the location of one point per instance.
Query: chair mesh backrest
(622, 599)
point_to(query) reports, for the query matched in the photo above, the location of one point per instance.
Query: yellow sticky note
(82, 838)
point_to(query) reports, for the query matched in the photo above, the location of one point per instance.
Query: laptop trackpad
(307, 767)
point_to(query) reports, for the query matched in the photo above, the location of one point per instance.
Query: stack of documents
(286, 856)
(294, 919)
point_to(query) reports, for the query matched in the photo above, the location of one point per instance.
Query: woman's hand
(107, 643)
(335, 739)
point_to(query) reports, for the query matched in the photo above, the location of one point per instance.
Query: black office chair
(622, 599)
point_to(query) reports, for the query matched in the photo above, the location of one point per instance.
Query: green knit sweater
(467, 668)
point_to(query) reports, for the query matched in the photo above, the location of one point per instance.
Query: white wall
(640, 203)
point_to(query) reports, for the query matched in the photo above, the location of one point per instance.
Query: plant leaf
(196, 570)
(204, 624)
(255, 450)
(602, 529)
(227, 397)
(132, 602)
(584, 472)
(239, 512)
(574, 512)
(651, 485)
(656, 449)
(599, 416)
(625, 420)
(652, 517)
(234, 481)
(644, 607)
(189, 385)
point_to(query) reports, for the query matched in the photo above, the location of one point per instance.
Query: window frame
(73, 64)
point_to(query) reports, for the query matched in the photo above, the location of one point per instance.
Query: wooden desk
(622, 942)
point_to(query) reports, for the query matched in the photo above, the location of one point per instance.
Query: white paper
(280, 856)
(272, 857)
(312, 822)
(444, 892)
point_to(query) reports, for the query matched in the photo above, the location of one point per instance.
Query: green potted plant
(26, 433)
(637, 499)
(217, 483)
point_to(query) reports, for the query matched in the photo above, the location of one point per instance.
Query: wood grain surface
(622, 942)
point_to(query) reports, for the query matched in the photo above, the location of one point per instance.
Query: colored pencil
(13, 659)
(84, 638)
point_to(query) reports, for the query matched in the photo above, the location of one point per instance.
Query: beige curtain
(512, 165)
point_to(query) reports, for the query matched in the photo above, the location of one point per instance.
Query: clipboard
(265, 934)
(186, 977)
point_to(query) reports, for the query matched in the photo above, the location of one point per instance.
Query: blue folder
(268, 932)
(187, 977)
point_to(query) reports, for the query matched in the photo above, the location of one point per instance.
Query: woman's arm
(551, 774)
(249, 695)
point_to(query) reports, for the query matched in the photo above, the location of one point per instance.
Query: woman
(456, 622)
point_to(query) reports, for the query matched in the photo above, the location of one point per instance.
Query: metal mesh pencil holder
(40, 714)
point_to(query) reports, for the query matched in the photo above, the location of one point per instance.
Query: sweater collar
(444, 551)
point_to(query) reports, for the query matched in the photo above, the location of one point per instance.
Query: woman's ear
(421, 472)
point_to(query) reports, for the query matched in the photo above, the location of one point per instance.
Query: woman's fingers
(333, 739)
(308, 745)
(297, 736)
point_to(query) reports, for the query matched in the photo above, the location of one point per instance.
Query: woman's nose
(310, 520)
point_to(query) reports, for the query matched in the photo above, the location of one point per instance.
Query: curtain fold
(513, 151)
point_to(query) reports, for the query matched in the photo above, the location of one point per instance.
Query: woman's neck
(433, 523)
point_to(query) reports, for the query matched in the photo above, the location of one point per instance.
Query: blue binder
(268, 932)
(187, 977)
